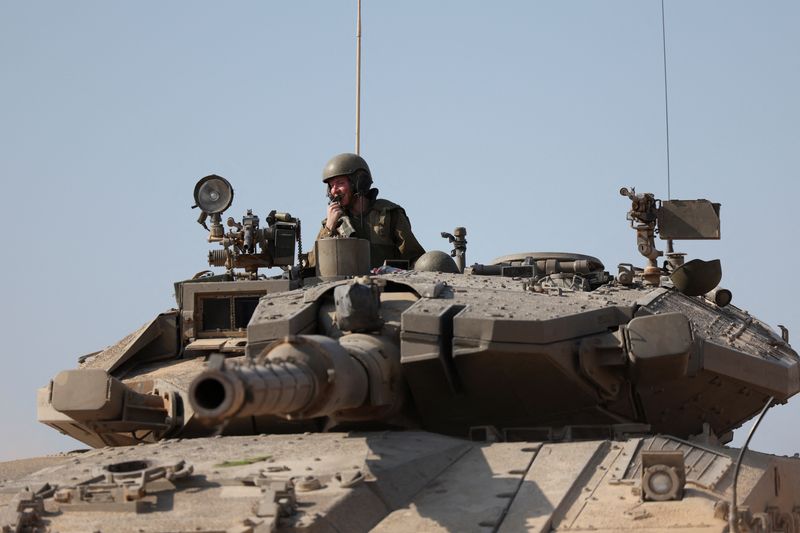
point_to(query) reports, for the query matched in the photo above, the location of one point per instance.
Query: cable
(733, 515)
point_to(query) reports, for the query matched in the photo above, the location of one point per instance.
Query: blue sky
(519, 120)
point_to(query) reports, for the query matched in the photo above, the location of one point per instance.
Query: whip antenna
(358, 80)
(666, 100)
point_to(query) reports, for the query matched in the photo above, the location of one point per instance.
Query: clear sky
(519, 120)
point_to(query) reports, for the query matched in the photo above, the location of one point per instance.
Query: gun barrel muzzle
(300, 377)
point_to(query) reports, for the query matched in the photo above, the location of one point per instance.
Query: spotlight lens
(660, 483)
(214, 195)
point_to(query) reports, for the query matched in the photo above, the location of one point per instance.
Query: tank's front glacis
(546, 392)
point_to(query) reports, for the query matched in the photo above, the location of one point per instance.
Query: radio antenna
(666, 99)
(358, 79)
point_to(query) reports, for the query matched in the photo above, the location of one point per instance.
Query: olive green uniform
(387, 229)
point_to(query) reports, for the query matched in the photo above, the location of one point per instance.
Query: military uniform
(386, 227)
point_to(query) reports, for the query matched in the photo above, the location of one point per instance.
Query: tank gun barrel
(300, 377)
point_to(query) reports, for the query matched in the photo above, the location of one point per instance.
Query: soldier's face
(340, 186)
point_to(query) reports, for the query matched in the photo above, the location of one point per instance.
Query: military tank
(535, 392)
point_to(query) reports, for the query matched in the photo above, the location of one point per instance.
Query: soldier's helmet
(352, 166)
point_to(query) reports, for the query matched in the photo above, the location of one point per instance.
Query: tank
(534, 392)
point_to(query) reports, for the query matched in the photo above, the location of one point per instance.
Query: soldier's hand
(334, 214)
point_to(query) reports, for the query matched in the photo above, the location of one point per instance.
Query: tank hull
(391, 482)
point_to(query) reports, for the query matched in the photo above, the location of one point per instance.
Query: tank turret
(530, 344)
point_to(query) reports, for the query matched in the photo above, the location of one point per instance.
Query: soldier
(355, 211)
